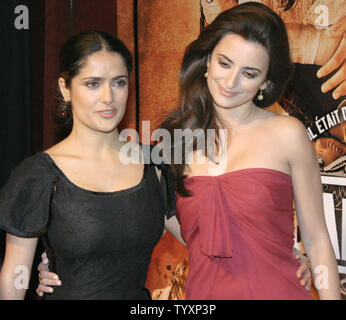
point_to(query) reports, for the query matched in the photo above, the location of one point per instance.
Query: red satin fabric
(239, 230)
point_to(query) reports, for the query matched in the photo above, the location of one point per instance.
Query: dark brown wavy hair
(254, 22)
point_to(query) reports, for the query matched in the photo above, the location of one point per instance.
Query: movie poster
(315, 95)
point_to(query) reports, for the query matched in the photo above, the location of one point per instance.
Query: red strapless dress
(239, 230)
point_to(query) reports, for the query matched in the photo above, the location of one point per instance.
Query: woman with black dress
(98, 217)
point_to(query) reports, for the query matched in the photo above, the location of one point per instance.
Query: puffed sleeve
(25, 199)
(167, 182)
(168, 189)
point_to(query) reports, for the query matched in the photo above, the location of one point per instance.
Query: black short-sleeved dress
(99, 243)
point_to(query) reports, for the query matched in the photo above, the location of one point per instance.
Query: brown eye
(120, 83)
(92, 84)
(249, 75)
(224, 64)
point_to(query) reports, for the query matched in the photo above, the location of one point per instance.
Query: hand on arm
(46, 278)
(303, 272)
(16, 268)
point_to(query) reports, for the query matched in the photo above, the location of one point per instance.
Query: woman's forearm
(173, 226)
(324, 270)
(12, 285)
(16, 268)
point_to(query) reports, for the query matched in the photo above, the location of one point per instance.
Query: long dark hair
(74, 54)
(254, 22)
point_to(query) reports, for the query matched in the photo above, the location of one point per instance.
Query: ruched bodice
(239, 228)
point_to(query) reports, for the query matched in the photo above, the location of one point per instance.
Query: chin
(112, 127)
(105, 129)
(230, 102)
(225, 104)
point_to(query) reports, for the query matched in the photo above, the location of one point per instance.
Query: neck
(94, 144)
(235, 117)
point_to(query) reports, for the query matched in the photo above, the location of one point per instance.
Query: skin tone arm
(303, 273)
(309, 206)
(330, 52)
(337, 61)
(19, 252)
(173, 226)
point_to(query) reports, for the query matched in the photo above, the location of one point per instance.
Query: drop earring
(260, 96)
(206, 75)
(63, 112)
(64, 109)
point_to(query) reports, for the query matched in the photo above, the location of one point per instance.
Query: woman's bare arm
(16, 269)
(309, 207)
(173, 226)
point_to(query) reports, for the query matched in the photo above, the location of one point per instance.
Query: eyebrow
(249, 68)
(100, 78)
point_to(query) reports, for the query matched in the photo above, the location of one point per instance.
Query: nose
(231, 78)
(107, 94)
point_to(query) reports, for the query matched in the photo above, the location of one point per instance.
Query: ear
(265, 85)
(208, 60)
(65, 91)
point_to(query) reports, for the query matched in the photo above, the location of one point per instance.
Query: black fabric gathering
(100, 243)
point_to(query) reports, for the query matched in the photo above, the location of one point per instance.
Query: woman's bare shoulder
(293, 139)
(283, 124)
(290, 127)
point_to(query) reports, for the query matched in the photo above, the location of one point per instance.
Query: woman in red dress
(235, 206)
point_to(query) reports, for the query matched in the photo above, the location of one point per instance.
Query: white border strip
(339, 181)
(342, 269)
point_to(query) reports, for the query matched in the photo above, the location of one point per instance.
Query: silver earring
(206, 74)
(260, 96)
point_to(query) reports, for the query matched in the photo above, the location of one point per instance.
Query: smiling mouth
(227, 93)
(106, 113)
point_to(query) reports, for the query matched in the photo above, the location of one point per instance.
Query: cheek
(255, 88)
(215, 71)
(121, 98)
(251, 85)
(214, 75)
(82, 97)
